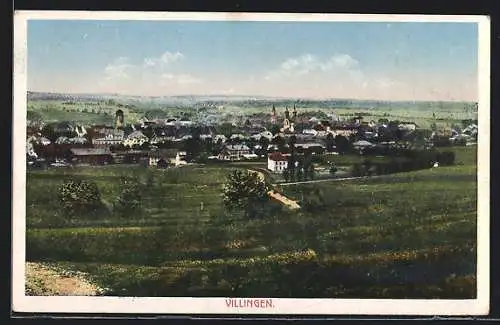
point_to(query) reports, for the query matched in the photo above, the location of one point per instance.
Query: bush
(446, 158)
(79, 196)
(358, 170)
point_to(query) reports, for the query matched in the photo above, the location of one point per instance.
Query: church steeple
(273, 115)
(294, 114)
(287, 113)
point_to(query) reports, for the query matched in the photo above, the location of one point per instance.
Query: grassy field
(407, 235)
(102, 112)
(175, 196)
(98, 112)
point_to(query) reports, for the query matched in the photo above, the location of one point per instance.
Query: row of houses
(103, 156)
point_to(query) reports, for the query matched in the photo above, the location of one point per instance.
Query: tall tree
(246, 192)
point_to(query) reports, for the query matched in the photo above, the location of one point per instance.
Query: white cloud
(340, 75)
(163, 60)
(120, 68)
(309, 63)
(152, 74)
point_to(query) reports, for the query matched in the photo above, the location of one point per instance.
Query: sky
(358, 60)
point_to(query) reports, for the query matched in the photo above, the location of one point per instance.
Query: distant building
(167, 156)
(277, 162)
(91, 156)
(108, 140)
(407, 126)
(234, 152)
(135, 138)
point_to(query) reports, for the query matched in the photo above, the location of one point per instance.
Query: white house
(277, 162)
(109, 139)
(234, 152)
(310, 131)
(407, 126)
(135, 138)
(220, 137)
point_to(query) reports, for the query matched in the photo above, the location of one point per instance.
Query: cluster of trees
(299, 168)
(79, 197)
(414, 160)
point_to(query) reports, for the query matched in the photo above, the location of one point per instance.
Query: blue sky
(393, 60)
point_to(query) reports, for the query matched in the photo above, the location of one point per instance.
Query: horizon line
(249, 96)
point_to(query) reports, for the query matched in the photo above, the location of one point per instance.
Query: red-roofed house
(277, 162)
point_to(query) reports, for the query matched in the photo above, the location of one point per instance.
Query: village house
(164, 157)
(91, 156)
(345, 131)
(277, 162)
(135, 138)
(362, 144)
(234, 152)
(313, 146)
(408, 126)
(109, 140)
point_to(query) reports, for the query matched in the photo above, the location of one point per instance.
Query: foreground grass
(408, 235)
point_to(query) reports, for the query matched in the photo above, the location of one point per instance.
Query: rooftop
(90, 151)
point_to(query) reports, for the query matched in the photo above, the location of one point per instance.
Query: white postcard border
(60, 304)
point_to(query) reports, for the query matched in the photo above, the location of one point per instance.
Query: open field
(101, 111)
(402, 235)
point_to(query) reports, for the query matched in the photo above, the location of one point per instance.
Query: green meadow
(407, 235)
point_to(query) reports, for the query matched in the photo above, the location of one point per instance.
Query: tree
(333, 169)
(275, 129)
(246, 192)
(280, 142)
(79, 196)
(291, 166)
(162, 163)
(286, 175)
(342, 143)
(330, 142)
(129, 200)
(49, 132)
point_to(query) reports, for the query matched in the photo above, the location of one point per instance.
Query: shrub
(79, 196)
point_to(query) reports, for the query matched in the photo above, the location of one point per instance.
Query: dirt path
(277, 196)
(283, 199)
(42, 280)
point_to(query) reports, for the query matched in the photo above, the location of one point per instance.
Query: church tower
(273, 115)
(119, 119)
(294, 114)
